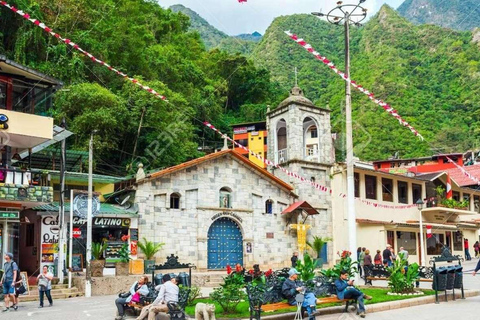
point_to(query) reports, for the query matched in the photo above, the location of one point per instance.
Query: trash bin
(440, 279)
(458, 283)
(184, 279)
(172, 275)
(158, 279)
(450, 277)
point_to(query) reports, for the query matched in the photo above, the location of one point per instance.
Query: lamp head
(419, 204)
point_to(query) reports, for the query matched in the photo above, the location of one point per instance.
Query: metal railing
(281, 156)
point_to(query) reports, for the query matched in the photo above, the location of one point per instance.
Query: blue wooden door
(225, 244)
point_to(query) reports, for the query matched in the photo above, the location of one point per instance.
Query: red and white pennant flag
(370, 95)
(76, 47)
(429, 231)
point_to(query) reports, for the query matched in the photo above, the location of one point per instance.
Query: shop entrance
(225, 244)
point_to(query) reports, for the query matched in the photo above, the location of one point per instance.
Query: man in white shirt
(403, 253)
(168, 292)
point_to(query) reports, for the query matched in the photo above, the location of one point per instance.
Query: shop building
(379, 223)
(253, 135)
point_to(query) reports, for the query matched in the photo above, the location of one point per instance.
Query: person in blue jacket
(345, 290)
(476, 268)
(291, 287)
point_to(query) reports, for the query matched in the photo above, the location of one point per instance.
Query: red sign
(77, 232)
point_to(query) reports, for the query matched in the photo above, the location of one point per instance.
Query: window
(314, 133)
(416, 192)
(371, 187)
(457, 241)
(402, 192)
(243, 142)
(387, 189)
(265, 141)
(476, 203)
(269, 206)
(30, 235)
(435, 244)
(356, 178)
(225, 198)
(407, 240)
(174, 201)
(312, 179)
(456, 195)
(466, 197)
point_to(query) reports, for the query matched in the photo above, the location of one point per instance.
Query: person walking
(467, 253)
(8, 281)
(367, 263)
(403, 253)
(44, 280)
(476, 248)
(294, 259)
(361, 262)
(387, 256)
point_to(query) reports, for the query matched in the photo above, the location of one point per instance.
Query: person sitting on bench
(291, 288)
(345, 290)
(168, 292)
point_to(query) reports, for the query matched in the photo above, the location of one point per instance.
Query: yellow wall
(102, 188)
(256, 144)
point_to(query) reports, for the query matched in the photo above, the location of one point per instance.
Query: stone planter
(147, 264)
(96, 267)
(121, 268)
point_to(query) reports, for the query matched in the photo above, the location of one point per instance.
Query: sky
(234, 18)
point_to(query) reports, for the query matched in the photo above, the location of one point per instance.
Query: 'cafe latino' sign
(104, 222)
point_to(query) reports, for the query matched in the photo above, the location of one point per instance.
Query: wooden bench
(284, 305)
(368, 280)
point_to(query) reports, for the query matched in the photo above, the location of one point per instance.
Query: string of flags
(465, 172)
(300, 177)
(370, 95)
(240, 1)
(76, 47)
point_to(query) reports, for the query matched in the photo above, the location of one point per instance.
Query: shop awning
(301, 205)
(105, 208)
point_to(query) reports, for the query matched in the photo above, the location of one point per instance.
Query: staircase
(59, 291)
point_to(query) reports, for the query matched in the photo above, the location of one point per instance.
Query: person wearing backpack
(8, 281)
(45, 285)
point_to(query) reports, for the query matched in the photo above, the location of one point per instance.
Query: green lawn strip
(379, 295)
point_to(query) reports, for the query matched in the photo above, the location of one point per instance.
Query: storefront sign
(80, 205)
(104, 222)
(76, 232)
(3, 121)
(9, 215)
(227, 214)
(243, 129)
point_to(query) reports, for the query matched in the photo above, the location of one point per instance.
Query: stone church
(222, 209)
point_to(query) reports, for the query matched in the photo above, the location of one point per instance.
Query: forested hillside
(452, 14)
(429, 74)
(150, 43)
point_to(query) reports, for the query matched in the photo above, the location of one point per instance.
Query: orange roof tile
(217, 155)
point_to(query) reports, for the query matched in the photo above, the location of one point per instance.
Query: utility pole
(348, 14)
(61, 213)
(88, 282)
(138, 133)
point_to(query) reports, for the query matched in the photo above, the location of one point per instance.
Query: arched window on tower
(269, 206)
(311, 141)
(175, 201)
(281, 142)
(225, 197)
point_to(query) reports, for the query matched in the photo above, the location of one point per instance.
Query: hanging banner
(76, 47)
(370, 95)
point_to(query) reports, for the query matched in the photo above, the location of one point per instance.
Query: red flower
(238, 268)
(250, 271)
(268, 273)
(125, 237)
(229, 269)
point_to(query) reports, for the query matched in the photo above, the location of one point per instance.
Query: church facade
(222, 209)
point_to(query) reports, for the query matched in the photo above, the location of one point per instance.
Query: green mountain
(210, 35)
(453, 14)
(429, 74)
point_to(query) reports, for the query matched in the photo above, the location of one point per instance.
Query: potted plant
(317, 246)
(98, 262)
(121, 267)
(149, 249)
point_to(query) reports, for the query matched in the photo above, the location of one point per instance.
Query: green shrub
(345, 264)
(401, 281)
(230, 293)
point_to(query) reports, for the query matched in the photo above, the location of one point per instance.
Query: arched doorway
(225, 244)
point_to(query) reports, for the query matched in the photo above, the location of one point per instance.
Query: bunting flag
(305, 180)
(449, 187)
(465, 172)
(429, 231)
(240, 1)
(76, 47)
(370, 95)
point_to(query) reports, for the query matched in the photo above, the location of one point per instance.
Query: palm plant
(149, 248)
(317, 246)
(97, 250)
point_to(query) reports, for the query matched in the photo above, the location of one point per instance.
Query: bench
(379, 272)
(284, 305)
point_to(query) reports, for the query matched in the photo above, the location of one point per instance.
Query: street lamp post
(419, 204)
(348, 14)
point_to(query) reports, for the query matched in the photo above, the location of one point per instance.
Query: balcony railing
(282, 156)
(25, 185)
(311, 154)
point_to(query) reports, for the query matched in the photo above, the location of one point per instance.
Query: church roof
(217, 155)
(297, 97)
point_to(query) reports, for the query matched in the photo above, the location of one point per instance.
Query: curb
(383, 306)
